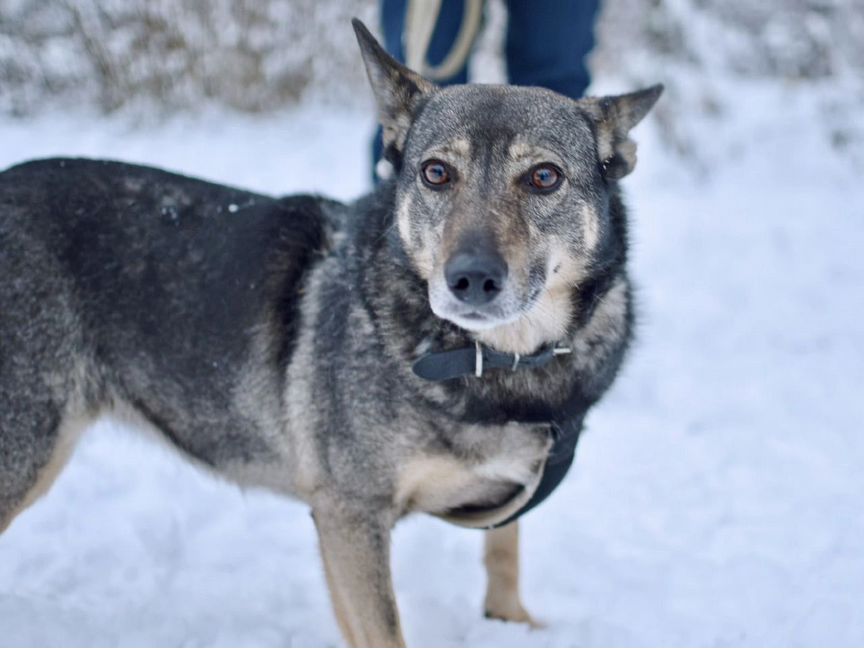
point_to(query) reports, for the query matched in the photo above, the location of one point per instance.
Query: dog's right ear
(614, 117)
(397, 89)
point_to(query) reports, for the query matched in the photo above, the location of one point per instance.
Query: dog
(433, 347)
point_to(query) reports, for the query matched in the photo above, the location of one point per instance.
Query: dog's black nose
(477, 278)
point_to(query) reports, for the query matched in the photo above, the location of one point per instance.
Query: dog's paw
(512, 612)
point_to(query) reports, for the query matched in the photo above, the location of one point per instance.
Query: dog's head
(502, 192)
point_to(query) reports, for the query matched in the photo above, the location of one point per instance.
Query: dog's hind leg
(41, 403)
(43, 367)
(35, 444)
(501, 557)
(355, 549)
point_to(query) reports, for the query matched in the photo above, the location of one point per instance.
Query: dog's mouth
(475, 320)
(484, 318)
(481, 318)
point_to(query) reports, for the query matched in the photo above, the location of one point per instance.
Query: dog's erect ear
(397, 89)
(614, 117)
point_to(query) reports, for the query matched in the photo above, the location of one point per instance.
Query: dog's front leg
(355, 549)
(501, 557)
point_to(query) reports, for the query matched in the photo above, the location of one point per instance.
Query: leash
(420, 20)
(438, 366)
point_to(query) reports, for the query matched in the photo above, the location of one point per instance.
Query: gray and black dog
(432, 347)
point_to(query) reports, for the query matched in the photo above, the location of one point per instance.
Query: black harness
(467, 361)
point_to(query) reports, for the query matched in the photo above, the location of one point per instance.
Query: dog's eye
(435, 174)
(544, 177)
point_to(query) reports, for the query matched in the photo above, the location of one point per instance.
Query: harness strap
(564, 438)
(457, 363)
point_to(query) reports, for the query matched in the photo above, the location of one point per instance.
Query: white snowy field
(717, 494)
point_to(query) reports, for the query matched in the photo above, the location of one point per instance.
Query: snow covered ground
(717, 494)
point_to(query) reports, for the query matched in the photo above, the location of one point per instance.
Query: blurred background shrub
(249, 55)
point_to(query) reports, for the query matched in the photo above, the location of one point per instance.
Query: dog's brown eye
(544, 177)
(435, 174)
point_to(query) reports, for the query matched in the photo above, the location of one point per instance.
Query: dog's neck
(397, 299)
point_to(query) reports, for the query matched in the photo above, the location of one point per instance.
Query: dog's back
(114, 274)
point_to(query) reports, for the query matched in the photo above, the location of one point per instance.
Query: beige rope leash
(420, 21)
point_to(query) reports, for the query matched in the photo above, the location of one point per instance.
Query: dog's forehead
(505, 118)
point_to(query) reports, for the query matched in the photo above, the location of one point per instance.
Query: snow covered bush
(251, 55)
(745, 71)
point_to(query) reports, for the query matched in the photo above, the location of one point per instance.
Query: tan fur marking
(356, 564)
(627, 151)
(456, 148)
(403, 221)
(439, 484)
(590, 228)
(431, 483)
(70, 431)
(549, 317)
(436, 483)
(501, 558)
(528, 153)
(394, 132)
(301, 424)
(339, 606)
(546, 322)
(605, 149)
(423, 256)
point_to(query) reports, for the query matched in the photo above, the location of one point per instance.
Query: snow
(716, 496)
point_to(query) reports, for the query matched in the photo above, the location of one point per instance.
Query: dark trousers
(547, 42)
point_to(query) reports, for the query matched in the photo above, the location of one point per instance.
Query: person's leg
(548, 42)
(393, 14)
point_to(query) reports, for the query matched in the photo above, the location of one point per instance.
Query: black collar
(467, 361)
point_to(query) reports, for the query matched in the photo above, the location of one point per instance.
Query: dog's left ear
(614, 117)
(397, 89)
